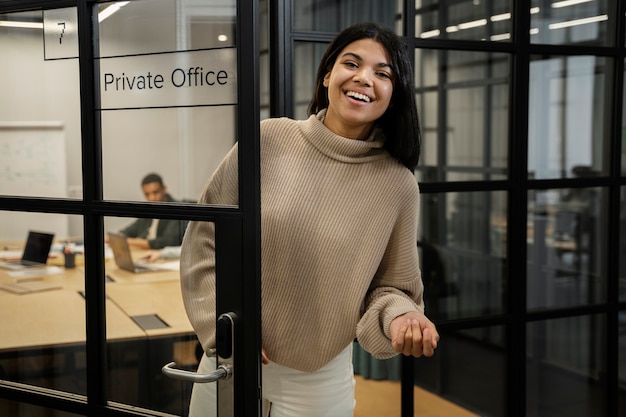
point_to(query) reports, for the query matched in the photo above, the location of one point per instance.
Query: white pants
(327, 392)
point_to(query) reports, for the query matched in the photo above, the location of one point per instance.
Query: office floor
(382, 398)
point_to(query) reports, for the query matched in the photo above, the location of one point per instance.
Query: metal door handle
(223, 371)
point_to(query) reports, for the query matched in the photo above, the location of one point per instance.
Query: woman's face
(360, 85)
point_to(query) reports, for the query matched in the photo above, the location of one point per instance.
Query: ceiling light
(109, 10)
(430, 34)
(567, 3)
(18, 24)
(577, 22)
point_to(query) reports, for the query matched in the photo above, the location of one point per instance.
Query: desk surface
(57, 316)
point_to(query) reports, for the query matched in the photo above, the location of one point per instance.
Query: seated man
(154, 233)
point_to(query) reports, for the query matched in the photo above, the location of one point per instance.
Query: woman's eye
(351, 64)
(384, 75)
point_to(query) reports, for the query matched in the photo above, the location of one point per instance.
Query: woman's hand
(413, 334)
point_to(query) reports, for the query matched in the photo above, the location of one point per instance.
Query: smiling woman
(314, 233)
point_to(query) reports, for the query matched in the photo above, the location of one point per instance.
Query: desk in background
(43, 334)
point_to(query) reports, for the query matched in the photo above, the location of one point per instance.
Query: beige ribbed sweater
(339, 244)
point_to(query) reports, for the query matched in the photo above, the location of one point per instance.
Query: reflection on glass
(464, 19)
(567, 122)
(565, 367)
(570, 22)
(453, 377)
(184, 146)
(470, 140)
(151, 26)
(462, 251)
(43, 333)
(566, 247)
(40, 147)
(334, 16)
(168, 94)
(147, 325)
(308, 56)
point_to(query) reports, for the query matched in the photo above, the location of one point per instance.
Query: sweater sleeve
(197, 262)
(397, 286)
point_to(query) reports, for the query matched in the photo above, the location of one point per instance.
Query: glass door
(101, 102)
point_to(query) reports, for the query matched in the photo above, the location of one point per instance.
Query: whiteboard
(33, 164)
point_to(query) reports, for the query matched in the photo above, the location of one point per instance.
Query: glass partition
(566, 250)
(463, 255)
(570, 22)
(567, 125)
(451, 376)
(43, 331)
(463, 103)
(464, 19)
(566, 367)
(334, 16)
(144, 285)
(40, 147)
(168, 89)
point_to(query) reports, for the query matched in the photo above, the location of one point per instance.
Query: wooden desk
(161, 298)
(57, 316)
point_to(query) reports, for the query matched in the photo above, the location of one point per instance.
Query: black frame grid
(282, 40)
(518, 184)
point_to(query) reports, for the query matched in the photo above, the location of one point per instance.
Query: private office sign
(176, 79)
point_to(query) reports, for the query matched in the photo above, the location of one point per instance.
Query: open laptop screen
(37, 247)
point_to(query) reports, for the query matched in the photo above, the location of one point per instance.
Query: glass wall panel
(464, 19)
(566, 247)
(334, 16)
(308, 56)
(40, 145)
(144, 288)
(463, 102)
(570, 22)
(43, 330)
(168, 94)
(453, 377)
(565, 367)
(378, 390)
(569, 97)
(463, 253)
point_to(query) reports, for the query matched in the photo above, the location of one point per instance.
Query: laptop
(35, 253)
(124, 259)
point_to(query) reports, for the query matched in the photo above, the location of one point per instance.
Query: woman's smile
(360, 86)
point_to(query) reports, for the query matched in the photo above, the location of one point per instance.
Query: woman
(338, 232)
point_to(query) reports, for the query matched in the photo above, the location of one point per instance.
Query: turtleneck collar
(342, 148)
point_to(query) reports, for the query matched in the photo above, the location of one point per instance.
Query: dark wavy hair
(400, 122)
